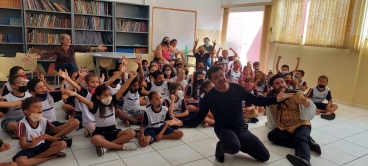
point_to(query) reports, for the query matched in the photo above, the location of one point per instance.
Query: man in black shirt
(230, 126)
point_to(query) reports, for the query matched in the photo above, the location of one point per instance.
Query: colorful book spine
(10, 3)
(130, 26)
(11, 20)
(92, 7)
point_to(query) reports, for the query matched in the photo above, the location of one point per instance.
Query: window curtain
(287, 21)
(359, 37)
(329, 23)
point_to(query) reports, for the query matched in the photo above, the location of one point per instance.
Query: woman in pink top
(164, 49)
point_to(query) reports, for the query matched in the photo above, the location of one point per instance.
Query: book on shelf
(131, 26)
(41, 69)
(10, 3)
(93, 38)
(46, 5)
(34, 36)
(51, 69)
(92, 7)
(140, 50)
(132, 50)
(11, 38)
(93, 23)
(47, 20)
(11, 20)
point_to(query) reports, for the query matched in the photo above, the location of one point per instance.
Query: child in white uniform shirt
(102, 106)
(33, 132)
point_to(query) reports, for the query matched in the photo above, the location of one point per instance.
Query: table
(112, 55)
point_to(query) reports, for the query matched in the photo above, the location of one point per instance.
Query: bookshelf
(131, 28)
(11, 27)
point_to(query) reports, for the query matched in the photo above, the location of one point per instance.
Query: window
(359, 38)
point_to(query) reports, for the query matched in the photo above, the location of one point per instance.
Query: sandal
(59, 154)
(13, 134)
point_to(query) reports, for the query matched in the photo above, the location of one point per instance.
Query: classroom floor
(344, 141)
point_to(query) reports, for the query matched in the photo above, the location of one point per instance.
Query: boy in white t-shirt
(33, 133)
(318, 94)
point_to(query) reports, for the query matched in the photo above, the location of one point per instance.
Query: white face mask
(179, 93)
(35, 117)
(106, 101)
(167, 72)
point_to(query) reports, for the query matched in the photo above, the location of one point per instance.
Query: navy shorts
(110, 133)
(31, 152)
(191, 114)
(4, 123)
(57, 123)
(321, 106)
(154, 131)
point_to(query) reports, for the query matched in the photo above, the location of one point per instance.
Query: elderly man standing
(290, 121)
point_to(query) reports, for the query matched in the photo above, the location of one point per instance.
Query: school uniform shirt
(233, 76)
(15, 112)
(146, 73)
(151, 86)
(7, 89)
(179, 105)
(126, 78)
(189, 92)
(148, 79)
(183, 82)
(24, 129)
(303, 83)
(152, 119)
(48, 108)
(202, 59)
(87, 116)
(114, 90)
(318, 96)
(109, 118)
(261, 89)
(131, 100)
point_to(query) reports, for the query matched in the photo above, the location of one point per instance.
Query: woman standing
(65, 54)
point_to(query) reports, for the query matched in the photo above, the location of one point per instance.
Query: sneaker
(100, 151)
(297, 161)
(152, 140)
(313, 146)
(220, 156)
(329, 117)
(131, 145)
(69, 141)
(253, 120)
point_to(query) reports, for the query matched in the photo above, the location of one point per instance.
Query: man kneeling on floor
(290, 121)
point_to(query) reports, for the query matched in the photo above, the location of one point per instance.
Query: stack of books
(94, 23)
(11, 20)
(45, 20)
(92, 7)
(10, 3)
(33, 36)
(130, 26)
(46, 5)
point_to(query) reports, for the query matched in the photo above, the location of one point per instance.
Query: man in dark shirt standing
(230, 126)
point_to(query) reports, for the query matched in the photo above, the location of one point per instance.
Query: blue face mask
(206, 43)
(41, 96)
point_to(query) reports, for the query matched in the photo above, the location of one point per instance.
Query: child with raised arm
(298, 82)
(4, 147)
(285, 68)
(12, 115)
(201, 55)
(225, 59)
(234, 74)
(33, 132)
(320, 93)
(48, 98)
(153, 127)
(102, 105)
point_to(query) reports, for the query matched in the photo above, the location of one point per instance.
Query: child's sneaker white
(131, 145)
(100, 151)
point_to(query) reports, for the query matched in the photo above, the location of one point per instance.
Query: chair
(84, 61)
(29, 67)
(107, 64)
(6, 64)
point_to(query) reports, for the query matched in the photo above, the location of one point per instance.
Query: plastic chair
(6, 64)
(84, 61)
(29, 67)
(107, 64)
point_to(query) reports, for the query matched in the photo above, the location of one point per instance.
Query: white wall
(247, 9)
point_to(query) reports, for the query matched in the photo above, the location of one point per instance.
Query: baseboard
(361, 106)
(350, 104)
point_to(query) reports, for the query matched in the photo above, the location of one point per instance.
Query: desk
(112, 55)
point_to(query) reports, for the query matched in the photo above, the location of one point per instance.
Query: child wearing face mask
(178, 62)
(320, 93)
(169, 73)
(153, 127)
(159, 84)
(247, 73)
(200, 67)
(201, 55)
(285, 68)
(175, 102)
(225, 59)
(288, 81)
(299, 84)
(251, 111)
(102, 105)
(234, 73)
(181, 77)
(192, 92)
(33, 132)
(260, 83)
(16, 70)
(13, 115)
(205, 88)
(38, 89)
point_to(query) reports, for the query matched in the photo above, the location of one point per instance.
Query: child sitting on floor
(33, 131)
(153, 127)
(251, 111)
(205, 88)
(318, 94)
(175, 102)
(299, 84)
(285, 68)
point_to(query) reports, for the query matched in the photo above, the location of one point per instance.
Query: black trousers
(233, 141)
(298, 140)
